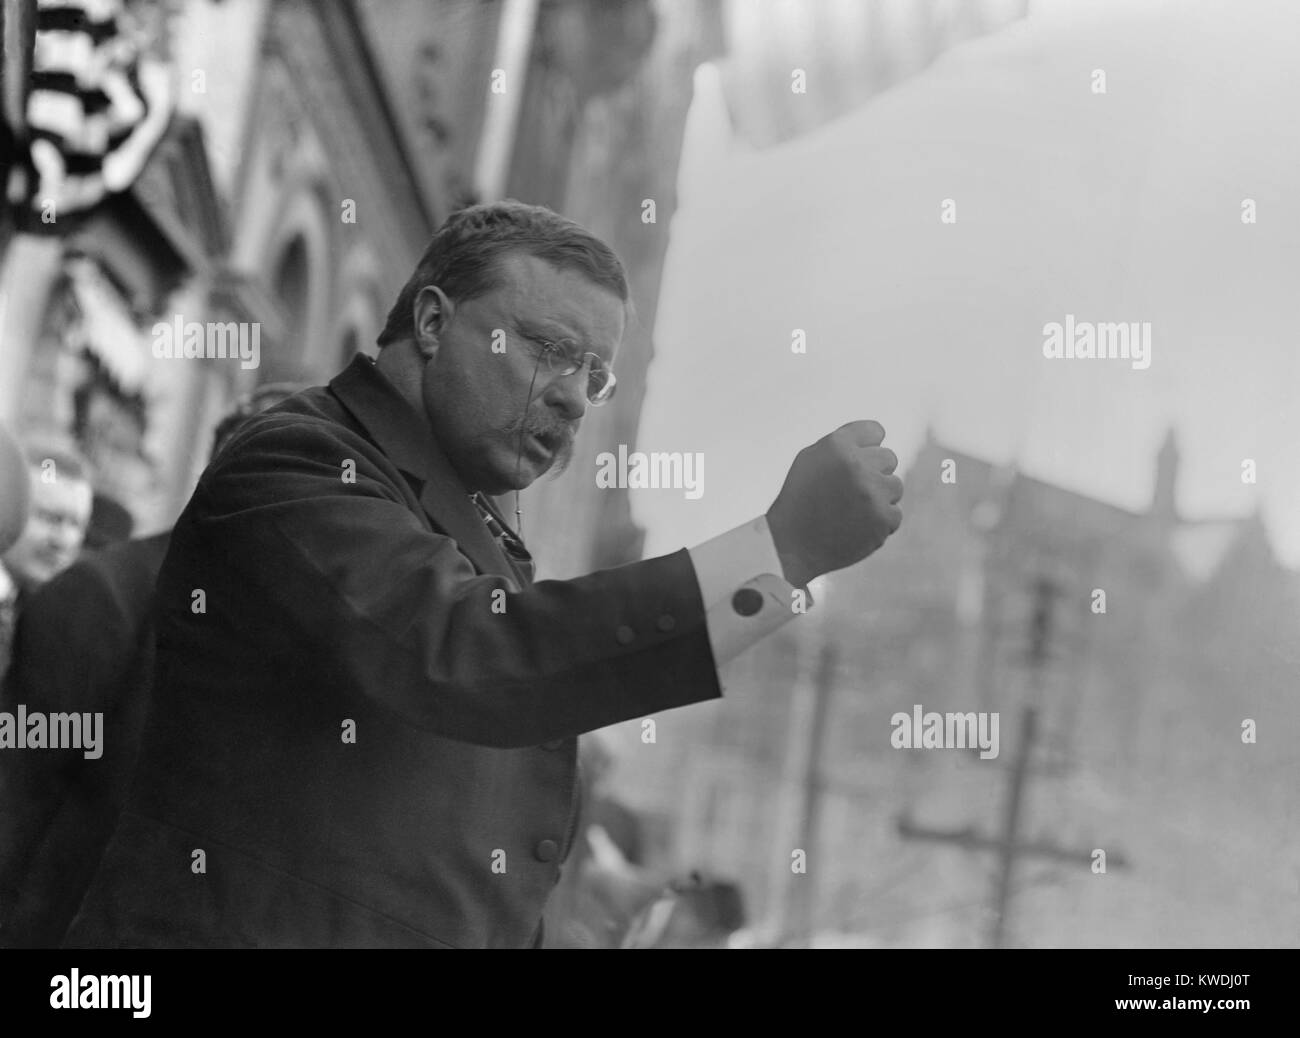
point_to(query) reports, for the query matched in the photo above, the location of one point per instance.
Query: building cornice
(352, 59)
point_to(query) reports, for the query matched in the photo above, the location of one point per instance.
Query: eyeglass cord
(519, 450)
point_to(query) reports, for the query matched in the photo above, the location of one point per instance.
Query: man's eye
(558, 354)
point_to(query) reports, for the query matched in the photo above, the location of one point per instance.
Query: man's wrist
(793, 569)
(795, 572)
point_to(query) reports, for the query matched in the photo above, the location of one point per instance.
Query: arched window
(290, 284)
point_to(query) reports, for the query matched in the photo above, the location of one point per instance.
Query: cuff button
(747, 601)
(665, 623)
(625, 635)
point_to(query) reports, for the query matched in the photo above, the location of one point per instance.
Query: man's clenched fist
(838, 504)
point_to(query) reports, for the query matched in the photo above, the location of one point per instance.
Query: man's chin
(33, 576)
(507, 481)
(536, 471)
(534, 466)
(560, 462)
(519, 472)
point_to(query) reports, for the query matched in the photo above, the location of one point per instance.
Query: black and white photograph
(651, 474)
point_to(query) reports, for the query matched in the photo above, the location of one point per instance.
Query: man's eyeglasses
(561, 360)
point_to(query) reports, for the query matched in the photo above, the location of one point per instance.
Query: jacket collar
(407, 440)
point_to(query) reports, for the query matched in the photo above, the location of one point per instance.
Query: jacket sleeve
(348, 572)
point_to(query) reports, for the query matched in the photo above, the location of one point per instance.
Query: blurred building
(1139, 744)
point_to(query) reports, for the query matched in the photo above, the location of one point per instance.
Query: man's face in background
(478, 401)
(56, 527)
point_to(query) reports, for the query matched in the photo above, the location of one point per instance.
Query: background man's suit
(294, 601)
(84, 644)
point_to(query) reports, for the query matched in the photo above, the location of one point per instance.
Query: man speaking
(366, 712)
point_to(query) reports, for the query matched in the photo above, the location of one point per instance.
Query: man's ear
(432, 311)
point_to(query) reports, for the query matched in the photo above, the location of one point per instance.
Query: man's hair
(462, 256)
(68, 461)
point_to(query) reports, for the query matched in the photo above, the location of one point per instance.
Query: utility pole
(1040, 634)
(800, 897)
(1010, 827)
(1010, 849)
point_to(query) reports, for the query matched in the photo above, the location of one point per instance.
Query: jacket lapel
(408, 442)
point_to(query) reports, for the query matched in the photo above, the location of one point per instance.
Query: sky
(1123, 206)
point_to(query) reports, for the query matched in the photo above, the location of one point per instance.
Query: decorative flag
(97, 105)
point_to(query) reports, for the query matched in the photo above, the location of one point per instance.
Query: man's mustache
(558, 436)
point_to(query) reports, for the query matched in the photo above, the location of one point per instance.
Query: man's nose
(567, 395)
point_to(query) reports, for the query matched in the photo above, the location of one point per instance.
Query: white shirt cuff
(745, 595)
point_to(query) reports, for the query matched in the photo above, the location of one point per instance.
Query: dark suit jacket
(84, 644)
(297, 604)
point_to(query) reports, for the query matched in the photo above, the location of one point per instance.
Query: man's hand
(838, 504)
